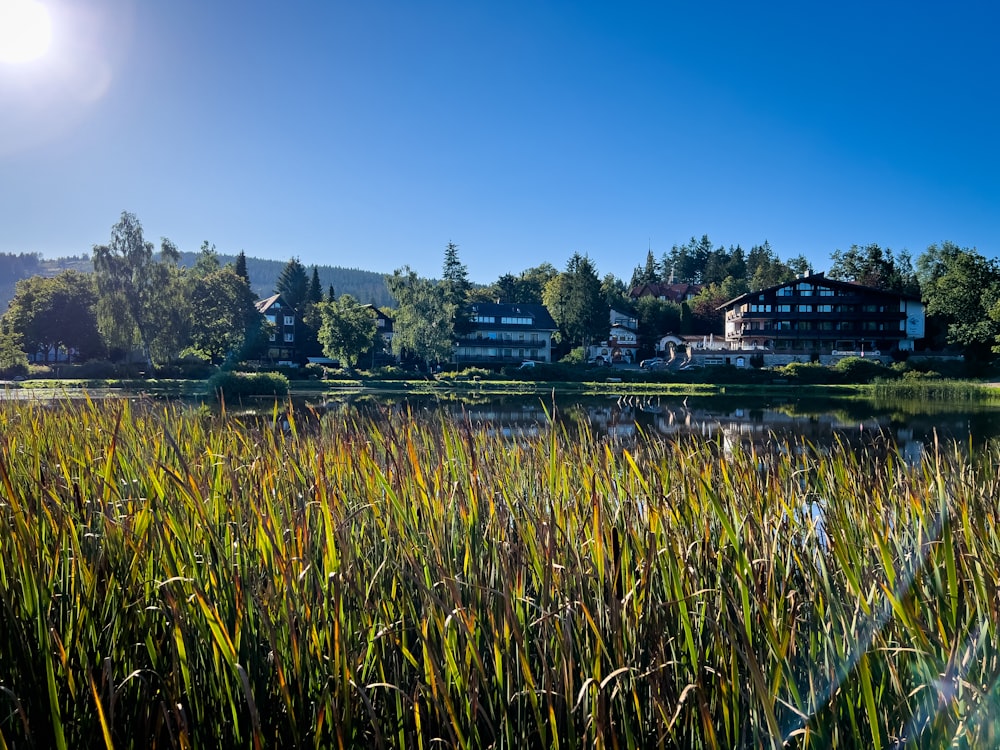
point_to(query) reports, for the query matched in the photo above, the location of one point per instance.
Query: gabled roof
(378, 313)
(263, 305)
(819, 279)
(541, 319)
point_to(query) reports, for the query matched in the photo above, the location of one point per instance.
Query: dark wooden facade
(817, 315)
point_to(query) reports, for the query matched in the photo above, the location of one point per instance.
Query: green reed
(170, 578)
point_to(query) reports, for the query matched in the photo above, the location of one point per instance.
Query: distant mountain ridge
(365, 286)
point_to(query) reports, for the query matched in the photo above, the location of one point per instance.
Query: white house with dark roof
(505, 334)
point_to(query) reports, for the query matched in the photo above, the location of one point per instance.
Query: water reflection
(761, 423)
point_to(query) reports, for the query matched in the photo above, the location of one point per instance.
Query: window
(272, 337)
(783, 308)
(483, 319)
(272, 319)
(289, 337)
(805, 290)
(824, 308)
(827, 292)
(516, 321)
(289, 320)
(785, 291)
(805, 308)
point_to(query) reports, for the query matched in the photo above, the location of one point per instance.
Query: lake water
(912, 427)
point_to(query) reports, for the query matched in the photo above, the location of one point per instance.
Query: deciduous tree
(137, 293)
(57, 312)
(423, 325)
(960, 288)
(225, 320)
(12, 359)
(348, 329)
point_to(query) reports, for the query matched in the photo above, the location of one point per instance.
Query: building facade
(281, 318)
(823, 318)
(505, 334)
(622, 343)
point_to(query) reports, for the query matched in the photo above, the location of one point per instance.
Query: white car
(652, 363)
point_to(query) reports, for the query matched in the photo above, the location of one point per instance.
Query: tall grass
(932, 389)
(170, 578)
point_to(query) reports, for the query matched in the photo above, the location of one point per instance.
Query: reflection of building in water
(520, 421)
(626, 419)
(768, 428)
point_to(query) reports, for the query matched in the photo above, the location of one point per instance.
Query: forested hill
(365, 286)
(17, 266)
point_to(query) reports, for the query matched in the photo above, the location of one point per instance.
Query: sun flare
(25, 30)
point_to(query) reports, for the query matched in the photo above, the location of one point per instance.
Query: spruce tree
(241, 266)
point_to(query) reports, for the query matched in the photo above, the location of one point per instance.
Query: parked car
(527, 364)
(652, 363)
(600, 361)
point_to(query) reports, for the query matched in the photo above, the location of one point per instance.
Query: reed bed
(172, 578)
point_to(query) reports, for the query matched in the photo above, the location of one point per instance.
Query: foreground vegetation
(174, 578)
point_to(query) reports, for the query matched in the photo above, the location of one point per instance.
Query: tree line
(136, 299)
(959, 286)
(142, 304)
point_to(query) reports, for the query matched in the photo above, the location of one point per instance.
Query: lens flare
(25, 30)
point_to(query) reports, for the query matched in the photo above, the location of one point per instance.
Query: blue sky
(370, 134)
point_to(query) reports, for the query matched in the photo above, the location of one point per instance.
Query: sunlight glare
(25, 30)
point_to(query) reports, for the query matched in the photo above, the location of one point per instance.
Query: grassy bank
(171, 578)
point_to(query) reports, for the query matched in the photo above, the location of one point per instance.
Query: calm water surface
(910, 426)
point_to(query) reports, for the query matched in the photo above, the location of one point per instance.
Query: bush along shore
(174, 578)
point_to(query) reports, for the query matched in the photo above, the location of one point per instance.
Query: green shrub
(482, 373)
(231, 385)
(919, 376)
(392, 372)
(191, 367)
(577, 356)
(13, 370)
(315, 371)
(861, 370)
(94, 369)
(805, 372)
